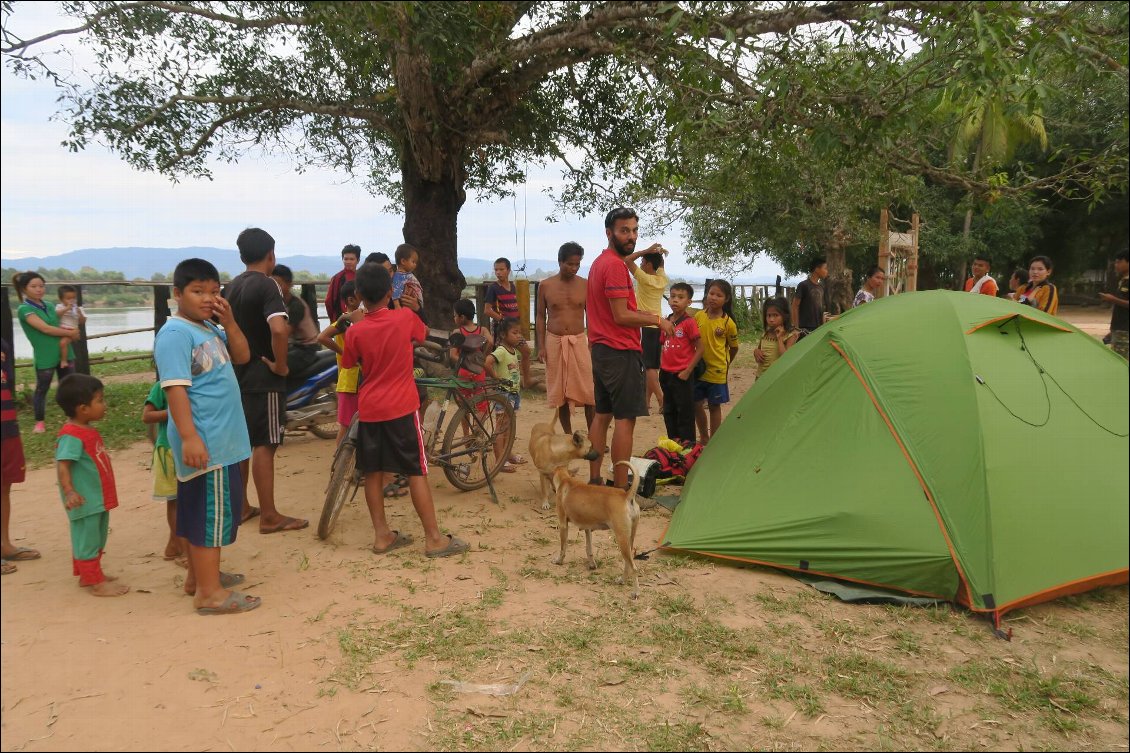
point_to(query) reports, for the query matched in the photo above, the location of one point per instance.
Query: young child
(333, 338)
(207, 430)
(71, 316)
(465, 326)
(86, 480)
(679, 355)
(389, 435)
(778, 336)
(502, 304)
(156, 411)
(502, 364)
(720, 337)
(1018, 280)
(403, 279)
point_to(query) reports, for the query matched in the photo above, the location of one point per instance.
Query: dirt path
(350, 650)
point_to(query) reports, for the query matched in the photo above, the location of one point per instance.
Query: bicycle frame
(452, 387)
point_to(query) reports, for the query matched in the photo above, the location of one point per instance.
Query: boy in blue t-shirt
(207, 430)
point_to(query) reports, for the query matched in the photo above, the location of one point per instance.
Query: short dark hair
(348, 290)
(194, 270)
(873, 270)
(619, 213)
(283, 272)
(983, 257)
(816, 263)
(1045, 260)
(655, 260)
(568, 251)
(372, 282)
(75, 390)
(404, 251)
(254, 244)
(503, 260)
(351, 248)
(1122, 256)
(380, 257)
(508, 324)
(684, 287)
(1020, 274)
(64, 289)
(465, 308)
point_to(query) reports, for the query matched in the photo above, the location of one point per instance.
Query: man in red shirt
(981, 282)
(350, 255)
(614, 334)
(389, 437)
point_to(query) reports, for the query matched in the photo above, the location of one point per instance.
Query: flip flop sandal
(507, 468)
(402, 540)
(22, 554)
(286, 524)
(517, 460)
(235, 603)
(454, 546)
(7, 568)
(253, 514)
(393, 491)
(227, 580)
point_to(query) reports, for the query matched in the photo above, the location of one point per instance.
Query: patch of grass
(729, 700)
(801, 696)
(676, 737)
(907, 642)
(492, 597)
(1076, 629)
(1058, 698)
(855, 675)
(668, 605)
(120, 428)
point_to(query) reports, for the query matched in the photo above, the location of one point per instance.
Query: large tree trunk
(431, 213)
(838, 293)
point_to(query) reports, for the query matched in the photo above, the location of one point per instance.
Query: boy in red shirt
(86, 480)
(389, 437)
(679, 352)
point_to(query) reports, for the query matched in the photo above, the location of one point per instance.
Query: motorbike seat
(325, 359)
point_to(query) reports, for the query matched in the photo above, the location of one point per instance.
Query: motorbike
(311, 397)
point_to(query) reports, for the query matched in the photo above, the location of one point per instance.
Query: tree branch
(236, 21)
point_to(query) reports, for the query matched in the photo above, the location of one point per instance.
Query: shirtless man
(564, 348)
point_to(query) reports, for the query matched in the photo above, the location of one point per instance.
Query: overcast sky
(53, 201)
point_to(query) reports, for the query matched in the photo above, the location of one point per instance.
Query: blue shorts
(515, 400)
(715, 394)
(210, 507)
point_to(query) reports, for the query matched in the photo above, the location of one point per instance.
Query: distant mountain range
(143, 263)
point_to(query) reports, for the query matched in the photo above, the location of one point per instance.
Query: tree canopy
(427, 100)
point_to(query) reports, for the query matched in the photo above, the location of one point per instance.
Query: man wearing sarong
(564, 348)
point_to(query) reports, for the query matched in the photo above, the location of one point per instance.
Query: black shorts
(650, 342)
(618, 382)
(265, 413)
(395, 446)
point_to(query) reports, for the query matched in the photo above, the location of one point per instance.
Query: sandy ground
(143, 672)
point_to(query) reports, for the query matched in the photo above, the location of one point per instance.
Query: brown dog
(596, 508)
(550, 451)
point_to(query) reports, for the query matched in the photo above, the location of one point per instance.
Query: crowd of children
(201, 437)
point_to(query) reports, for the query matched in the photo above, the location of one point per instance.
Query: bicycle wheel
(342, 487)
(469, 460)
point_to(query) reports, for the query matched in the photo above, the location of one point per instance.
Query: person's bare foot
(106, 588)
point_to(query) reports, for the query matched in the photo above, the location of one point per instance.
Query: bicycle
(482, 413)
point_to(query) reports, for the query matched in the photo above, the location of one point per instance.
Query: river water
(99, 321)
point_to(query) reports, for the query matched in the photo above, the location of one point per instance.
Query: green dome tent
(937, 443)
